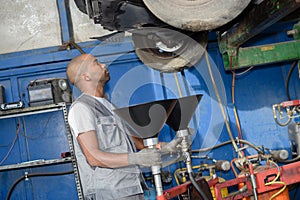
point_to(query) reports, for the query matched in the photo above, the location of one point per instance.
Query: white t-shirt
(85, 121)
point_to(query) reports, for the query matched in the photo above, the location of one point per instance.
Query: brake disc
(196, 15)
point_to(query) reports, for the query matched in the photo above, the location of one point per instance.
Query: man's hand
(171, 147)
(145, 157)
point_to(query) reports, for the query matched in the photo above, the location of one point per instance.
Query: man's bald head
(77, 66)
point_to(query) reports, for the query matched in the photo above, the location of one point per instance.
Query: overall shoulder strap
(96, 106)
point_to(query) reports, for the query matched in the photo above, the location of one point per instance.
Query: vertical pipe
(65, 19)
(151, 143)
(157, 180)
(253, 181)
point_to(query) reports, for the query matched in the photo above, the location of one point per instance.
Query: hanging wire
(237, 120)
(12, 146)
(288, 80)
(24, 133)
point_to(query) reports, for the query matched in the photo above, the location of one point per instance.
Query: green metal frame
(264, 54)
(235, 57)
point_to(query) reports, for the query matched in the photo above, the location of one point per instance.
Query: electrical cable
(237, 120)
(238, 124)
(34, 175)
(26, 139)
(183, 170)
(225, 143)
(233, 169)
(282, 124)
(291, 160)
(252, 145)
(194, 183)
(280, 191)
(244, 72)
(274, 181)
(24, 134)
(288, 80)
(211, 148)
(12, 145)
(221, 107)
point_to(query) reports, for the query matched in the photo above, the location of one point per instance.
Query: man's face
(98, 71)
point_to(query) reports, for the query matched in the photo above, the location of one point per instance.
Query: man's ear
(86, 76)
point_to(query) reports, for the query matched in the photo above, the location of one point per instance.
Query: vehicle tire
(197, 15)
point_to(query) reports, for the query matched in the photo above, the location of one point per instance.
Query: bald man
(104, 149)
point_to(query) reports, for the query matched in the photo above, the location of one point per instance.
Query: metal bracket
(72, 151)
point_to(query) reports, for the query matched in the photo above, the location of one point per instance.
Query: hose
(291, 160)
(33, 175)
(274, 181)
(288, 80)
(282, 124)
(195, 184)
(238, 125)
(228, 142)
(222, 109)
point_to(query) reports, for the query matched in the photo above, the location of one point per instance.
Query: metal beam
(261, 55)
(264, 54)
(255, 21)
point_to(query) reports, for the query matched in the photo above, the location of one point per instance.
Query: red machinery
(289, 174)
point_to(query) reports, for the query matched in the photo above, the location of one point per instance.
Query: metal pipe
(253, 181)
(157, 180)
(151, 143)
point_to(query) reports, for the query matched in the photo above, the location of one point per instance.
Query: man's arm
(96, 157)
(138, 142)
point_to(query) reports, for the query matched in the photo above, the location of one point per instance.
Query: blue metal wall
(43, 136)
